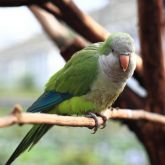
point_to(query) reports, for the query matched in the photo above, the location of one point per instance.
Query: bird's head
(120, 47)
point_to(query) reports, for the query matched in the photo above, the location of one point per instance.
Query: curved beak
(124, 61)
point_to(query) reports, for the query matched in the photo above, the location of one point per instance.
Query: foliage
(27, 82)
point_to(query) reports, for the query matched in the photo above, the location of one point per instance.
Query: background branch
(67, 41)
(72, 15)
(55, 30)
(12, 3)
(154, 73)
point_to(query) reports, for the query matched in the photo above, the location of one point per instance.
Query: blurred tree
(80, 158)
(27, 82)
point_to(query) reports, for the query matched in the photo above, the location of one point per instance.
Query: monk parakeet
(88, 83)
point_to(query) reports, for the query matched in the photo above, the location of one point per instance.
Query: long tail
(32, 137)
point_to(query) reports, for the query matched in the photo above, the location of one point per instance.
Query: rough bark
(150, 21)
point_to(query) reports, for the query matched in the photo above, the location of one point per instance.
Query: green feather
(78, 74)
(76, 105)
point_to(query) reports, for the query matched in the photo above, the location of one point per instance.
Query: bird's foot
(94, 116)
(104, 118)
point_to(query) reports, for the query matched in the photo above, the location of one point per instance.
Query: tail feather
(31, 138)
(40, 132)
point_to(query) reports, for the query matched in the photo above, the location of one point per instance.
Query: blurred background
(27, 60)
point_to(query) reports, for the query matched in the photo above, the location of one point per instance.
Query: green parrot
(88, 83)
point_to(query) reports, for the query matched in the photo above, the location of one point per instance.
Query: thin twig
(19, 117)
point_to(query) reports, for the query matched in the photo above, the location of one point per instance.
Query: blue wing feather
(42, 104)
(47, 100)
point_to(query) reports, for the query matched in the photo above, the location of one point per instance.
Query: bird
(88, 83)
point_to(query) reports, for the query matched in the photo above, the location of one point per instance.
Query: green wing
(75, 78)
(78, 74)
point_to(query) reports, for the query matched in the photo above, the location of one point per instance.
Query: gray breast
(104, 91)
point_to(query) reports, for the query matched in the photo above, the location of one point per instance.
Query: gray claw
(104, 120)
(94, 116)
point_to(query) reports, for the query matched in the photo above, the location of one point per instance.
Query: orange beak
(124, 61)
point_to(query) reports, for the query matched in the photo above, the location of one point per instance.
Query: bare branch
(80, 22)
(54, 10)
(77, 44)
(152, 53)
(68, 43)
(13, 3)
(56, 31)
(19, 117)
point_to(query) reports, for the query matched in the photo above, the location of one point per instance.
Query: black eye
(112, 49)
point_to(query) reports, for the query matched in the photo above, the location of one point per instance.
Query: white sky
(18, 23)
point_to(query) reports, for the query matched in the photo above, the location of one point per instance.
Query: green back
(78, 74)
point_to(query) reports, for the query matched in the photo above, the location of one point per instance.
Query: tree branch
(19, 117)
(152, 53)
(65, 39)
(80, 22)
(56, 31)
(13, 3)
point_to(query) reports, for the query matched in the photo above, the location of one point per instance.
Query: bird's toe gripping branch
(104, 120)
(94, 116)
